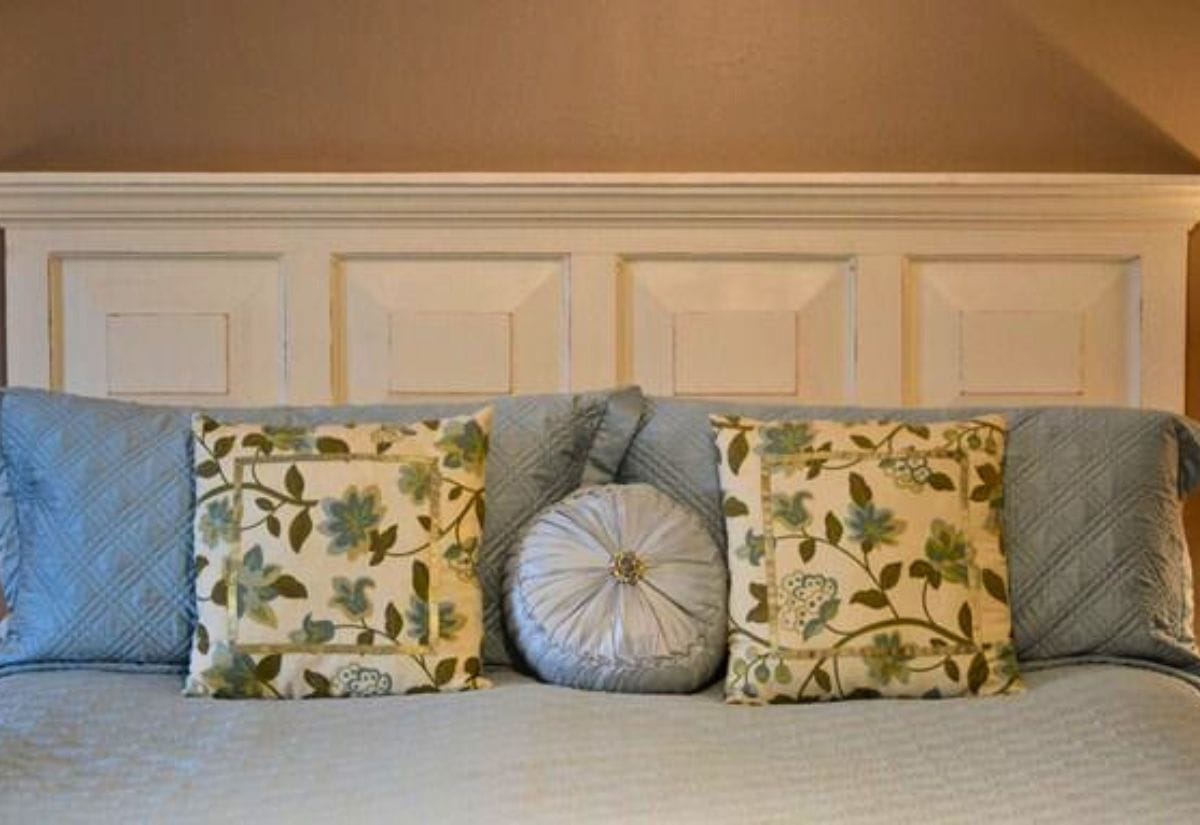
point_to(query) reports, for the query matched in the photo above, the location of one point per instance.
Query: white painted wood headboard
(856, 289)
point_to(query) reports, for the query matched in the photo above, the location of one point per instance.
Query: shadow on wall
(1145, 54)
(573, 85)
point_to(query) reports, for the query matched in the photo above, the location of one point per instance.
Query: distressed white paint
(735, 353)
(434, 325)
(170, 328)
(857, 286)
(786, 323)
(1013, 330)
(1029, 351)
(473, 353)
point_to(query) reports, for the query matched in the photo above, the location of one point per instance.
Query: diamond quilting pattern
(97, 488)
(8, 539)
(102, 514)
(539, 460)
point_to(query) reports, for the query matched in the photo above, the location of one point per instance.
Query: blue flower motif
(463, 445)
(450, 621)
(888, 659)
(753, 550)
(872, 526)
(217, 524)
(416, 481)
(232, 674)
(351, 597)
(257, 584)
(787, 438)
(790, 510)
(948, 551)
(461, 556)
(350, 520)
(313, 631)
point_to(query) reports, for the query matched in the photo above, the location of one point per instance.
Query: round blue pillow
(619, 588)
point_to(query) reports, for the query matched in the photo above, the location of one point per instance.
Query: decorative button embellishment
(627, 567)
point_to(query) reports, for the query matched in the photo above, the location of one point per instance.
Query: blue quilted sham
(95, 531)
(1098, 562)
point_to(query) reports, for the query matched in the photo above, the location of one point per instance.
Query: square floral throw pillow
(865, 559)
(338, 560)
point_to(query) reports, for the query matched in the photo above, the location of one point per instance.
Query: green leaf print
(739, 448)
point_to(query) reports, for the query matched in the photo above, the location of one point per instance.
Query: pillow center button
(627, 567)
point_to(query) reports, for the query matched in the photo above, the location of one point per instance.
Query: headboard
(856, 289)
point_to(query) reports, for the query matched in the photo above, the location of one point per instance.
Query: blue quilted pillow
(8, 545)
(95, 534)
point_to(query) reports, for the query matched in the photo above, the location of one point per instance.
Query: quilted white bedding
(1086, 743)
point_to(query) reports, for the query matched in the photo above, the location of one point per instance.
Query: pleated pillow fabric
(619, 588)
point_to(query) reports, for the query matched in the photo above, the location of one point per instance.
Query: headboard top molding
(917, 289)
(644, 199)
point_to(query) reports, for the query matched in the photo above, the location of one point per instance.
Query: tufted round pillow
(619, 588)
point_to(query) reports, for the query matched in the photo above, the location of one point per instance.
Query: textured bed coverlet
(1094, 743)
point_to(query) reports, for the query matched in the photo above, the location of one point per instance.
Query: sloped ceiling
(596, 85)
(1147, 54)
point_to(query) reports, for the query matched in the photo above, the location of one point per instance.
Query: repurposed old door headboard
(879, 290)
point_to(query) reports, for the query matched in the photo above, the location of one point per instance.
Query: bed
(822, 293)
(1087, 743)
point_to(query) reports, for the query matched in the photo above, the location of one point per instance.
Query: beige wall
(749, 85)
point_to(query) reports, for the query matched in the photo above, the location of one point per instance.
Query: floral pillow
(865, 559)
(338, 560)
